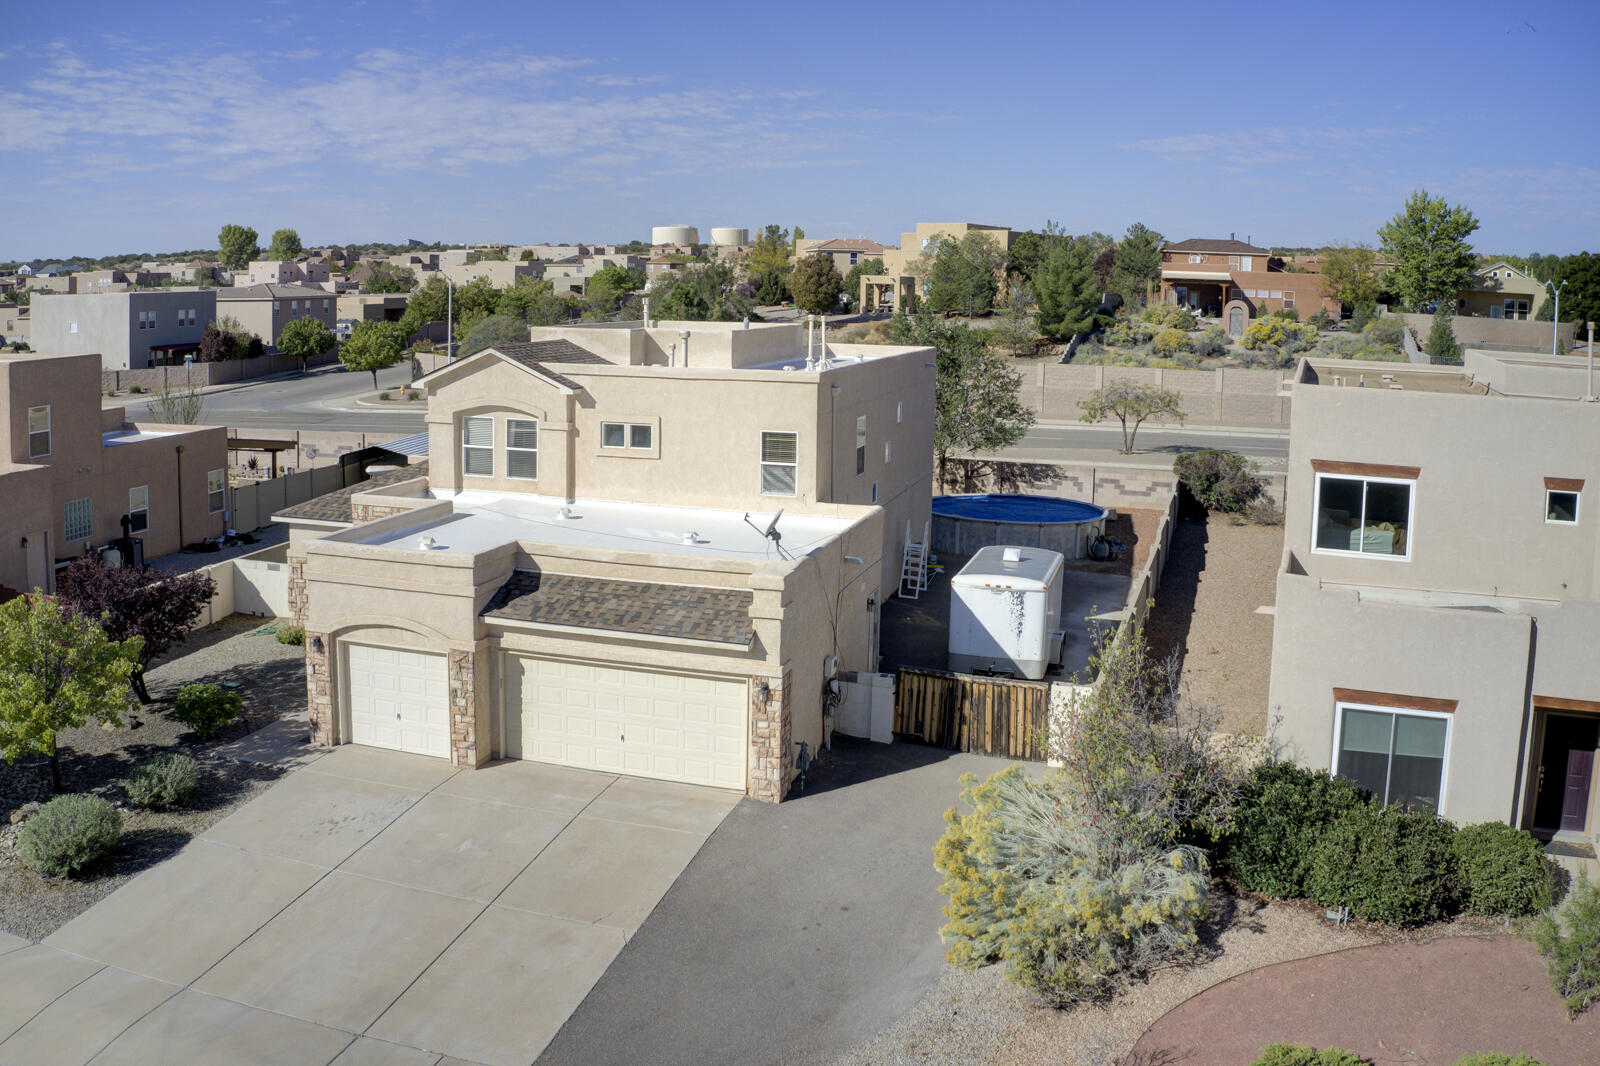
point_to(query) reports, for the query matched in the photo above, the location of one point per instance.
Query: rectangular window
(216, 490)
(613, 435)
(38, 431)
(874, 492)
(1196, 257)
(1233, 261)
(780, 464)
(888, 451)
(275, 306)
(1364, 515)
(139, 509)
(637, 436)
(640, 435)
(477, 446)
(522, 448)
(1398, 756)
(1276, 294)
(861, 445)
(1560, 507)
(899, 411)
(1288, 298)
(72, 327)
(79, 515)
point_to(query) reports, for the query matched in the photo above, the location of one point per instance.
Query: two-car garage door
(678, 727)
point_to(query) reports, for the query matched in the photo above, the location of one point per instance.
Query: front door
(1566, 772)
(1235, 321)
(38, 562)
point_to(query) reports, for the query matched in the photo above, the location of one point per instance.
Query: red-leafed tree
(137, 601)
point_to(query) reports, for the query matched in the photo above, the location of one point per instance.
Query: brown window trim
(1558, 703)
(1564, 484)
(1395, 700)
(1335, 466)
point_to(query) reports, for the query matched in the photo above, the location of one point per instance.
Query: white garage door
(678, 727)
(398, 699)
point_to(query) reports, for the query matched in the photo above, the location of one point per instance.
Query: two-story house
(640, 548)
(70, 472)
(900, 285)
(845, 252)
(307, 271)
(1438, 599)
(1234, 280)
(265, 309)
(129, 330)
(1500, 290)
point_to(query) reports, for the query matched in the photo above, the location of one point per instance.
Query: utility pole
(1589, 393)
(449, 319)
(1555, 319)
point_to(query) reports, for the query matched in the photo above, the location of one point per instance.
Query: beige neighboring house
(70, 472)
(900, 285)
(129, 330)
(1438, 599)
(583, 574)
(1500, 290)
(309, 271)
(502, 273)
(15, 325)
(351, 309)
(846, 252)
(265, 309)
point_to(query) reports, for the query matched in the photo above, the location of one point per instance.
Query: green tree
(1580, 300)
(961, 275)
(1014, 327)
(1068, 294)
(816, 284)
(606, 288)
(429, 303)
(1427, 243)
(285, 245)
(374, 346)
(978, 404)
(771, 288)
(863, 268)
(1029, 249)
(492, 332)
(1443, 349)
(698, 293)
(1351, 273)
(770, 251)
(238, 244)
(1131, 404)
(522, 300)
(305, 337)
(57, 671)
(1136, 263)
(387, 278)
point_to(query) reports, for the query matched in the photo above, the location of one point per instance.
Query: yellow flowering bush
(1170, 342)
(1275, 332)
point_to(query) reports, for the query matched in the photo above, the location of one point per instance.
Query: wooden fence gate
(987, 715)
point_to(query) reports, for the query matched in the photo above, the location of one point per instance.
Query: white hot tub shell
(1005, 612)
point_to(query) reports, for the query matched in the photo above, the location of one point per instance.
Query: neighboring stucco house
(583, 574)
(129, 330)
(1500, 290)
(900, 286)
(70, 472)
(307, 271)
(845, 252)
(502, 273)
(265, 309)
(1438, 599)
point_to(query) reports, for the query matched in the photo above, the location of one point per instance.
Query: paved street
(1072, 441)
(324, 399)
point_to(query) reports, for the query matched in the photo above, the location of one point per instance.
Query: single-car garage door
(677, 727)
(398, 699)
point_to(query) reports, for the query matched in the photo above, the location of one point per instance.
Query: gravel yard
(1217, 574)
(94, 759)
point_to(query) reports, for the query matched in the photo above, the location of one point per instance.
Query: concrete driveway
(371, 907)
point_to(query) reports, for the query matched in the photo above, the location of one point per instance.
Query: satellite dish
(771, 532)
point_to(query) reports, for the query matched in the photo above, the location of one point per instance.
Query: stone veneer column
(771, 741)
(319, 691)
(463, 712)
(297, 589)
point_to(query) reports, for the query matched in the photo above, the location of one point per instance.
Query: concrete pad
(342, 952)
(285, 743)
(12, 943)
(312, 817)
(503, 989)
(34, 977)
(530, 784)
(73, 1029)
(419, 773)
(692, 808)
(175, 920)
(460, 847)
(600, 871)
(369, 1052)
(200, 1030)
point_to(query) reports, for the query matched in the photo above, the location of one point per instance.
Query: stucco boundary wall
(256, 584)
(1228, 395)
(255, 503)
(1142, 485)
(1475, 332)
(204, 375)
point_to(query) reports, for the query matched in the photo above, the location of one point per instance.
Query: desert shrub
(1264, 511)
(1361, 314)
(1170, 342)
(1504, 870)
(164, 781)
(1277, 332)
(1283, 810)
(1386, 330)
(1210, 343)
(1170, 316)
(1495, 1058)
(69, 833)
(1094, 355)
(1320, 320)
(1218, 480)
(295, 635)
(1387, 864)
(1570, 942)
(1305, 1055)
(1443, 349)
(1130, 333)
(206, 708)
(1290, 313)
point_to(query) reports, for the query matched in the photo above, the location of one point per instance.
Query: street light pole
(1589, 393)
(449, 319)
(1555, 319)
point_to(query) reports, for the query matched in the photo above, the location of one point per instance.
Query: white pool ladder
(914, 563)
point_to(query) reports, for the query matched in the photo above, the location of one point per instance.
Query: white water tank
(674, 235)
(729, 236)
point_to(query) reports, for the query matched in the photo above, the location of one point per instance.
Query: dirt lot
(1216, 576)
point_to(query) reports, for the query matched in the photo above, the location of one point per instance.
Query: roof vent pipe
(672, 354)
(746, 321)
(684, 336)
(822, 348)
(647, 312)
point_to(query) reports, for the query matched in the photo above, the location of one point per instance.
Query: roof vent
(428, 544)
(1012, 555)
(565, 514)
(691, 538)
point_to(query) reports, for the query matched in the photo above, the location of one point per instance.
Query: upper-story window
(1233, 261)
(38, 432)
(780, 463)
(522, 448)
(1560, 507)
(639, 436)
(1196, 257)
(477, 446)
(1364, 515)
(861, 445)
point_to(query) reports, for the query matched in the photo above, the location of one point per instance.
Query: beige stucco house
(583, 573)
(845, 252)
(1439, 594)
(900, 285)
(1500, 290)
(265, 309)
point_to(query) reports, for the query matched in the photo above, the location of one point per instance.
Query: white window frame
(1339, 707)
(216, 491)
(861, 445)
(1288, 298)
(49, 440)
(465, 447)
(627, 444)
(72, 327)
(523, 450)
(763, 463)
(1197, 257)
(138, 517)
(67, 527)
(1411, 515)
(899, 411)
(1577, 503)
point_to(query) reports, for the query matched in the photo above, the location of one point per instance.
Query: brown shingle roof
(335, 506)
(1206, 244)
(850, 244)
(533, 353)
(657, 610)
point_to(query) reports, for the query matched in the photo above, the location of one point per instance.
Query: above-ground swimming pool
(963, 524)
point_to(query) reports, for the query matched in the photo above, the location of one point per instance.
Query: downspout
(179, 456)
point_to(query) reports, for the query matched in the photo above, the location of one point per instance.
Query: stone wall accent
(771, 742)
(463, 712)
(367, 512)
(297, 590)
(319, 690)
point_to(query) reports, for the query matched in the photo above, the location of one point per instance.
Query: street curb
(1198, 427)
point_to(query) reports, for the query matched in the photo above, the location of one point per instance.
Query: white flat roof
(484, 520)
(133, 436)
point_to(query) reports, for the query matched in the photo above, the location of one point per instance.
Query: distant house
(265, 309)
(1500, 290)
(129, 330)
(1235, 280)
(900, 286)
(845, 252)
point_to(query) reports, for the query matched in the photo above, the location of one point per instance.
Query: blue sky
(145, 127)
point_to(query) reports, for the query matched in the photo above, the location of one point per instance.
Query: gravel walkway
(95, 759)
